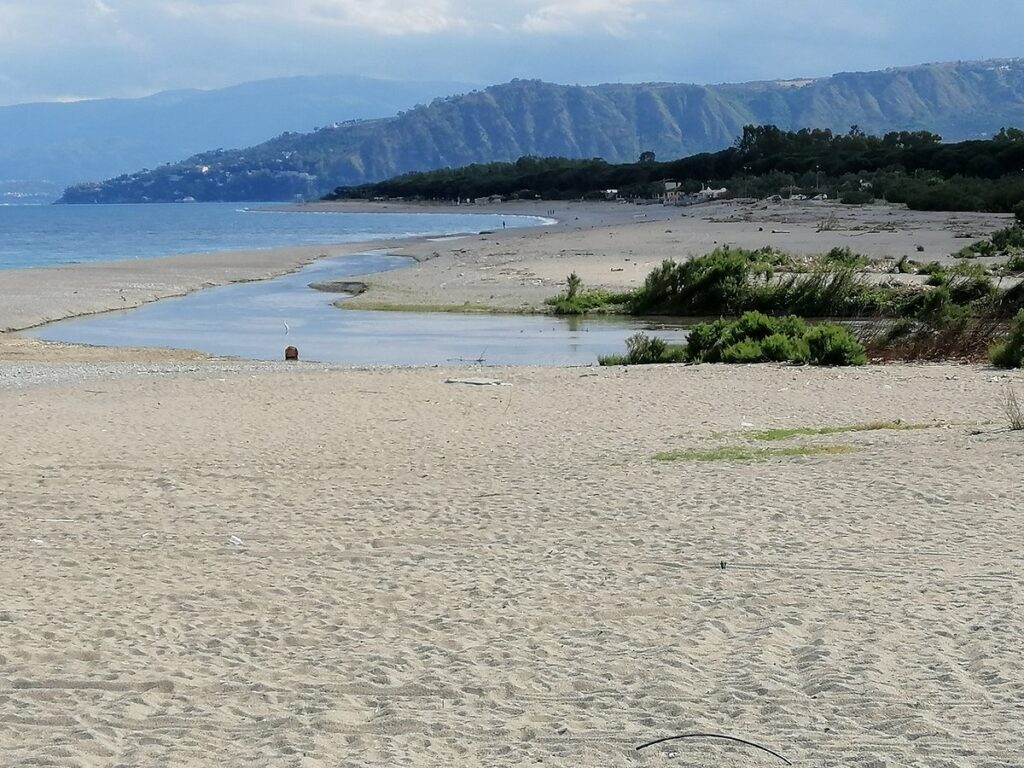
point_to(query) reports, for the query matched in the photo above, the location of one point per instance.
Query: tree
(647, 157)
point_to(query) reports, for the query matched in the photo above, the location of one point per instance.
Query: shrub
(930, 268)
(1009, 353)
(712, 284)
(1014, 264)
(969, 282)
(590, 301)
(904, 266)
(856, 197)
(780, 348)
(845, 257)
(752, 325)
(746, 351)
(757, 338)
(642, 349)
(573, 283)
(1005, 239)
(833, 345)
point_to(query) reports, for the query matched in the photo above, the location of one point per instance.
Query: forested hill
(614, 122)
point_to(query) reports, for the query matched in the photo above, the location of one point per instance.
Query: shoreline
(33, 297)
(610, 245)
(213, 559)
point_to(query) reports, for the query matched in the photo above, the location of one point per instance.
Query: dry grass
(1012, 408)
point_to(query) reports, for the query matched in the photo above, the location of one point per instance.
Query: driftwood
(713, 736)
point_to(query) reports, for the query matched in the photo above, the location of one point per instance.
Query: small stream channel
(258, 320)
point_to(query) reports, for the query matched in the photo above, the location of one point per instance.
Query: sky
(56, 50)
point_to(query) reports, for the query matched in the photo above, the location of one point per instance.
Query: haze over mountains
(47, 146)
(960, 100)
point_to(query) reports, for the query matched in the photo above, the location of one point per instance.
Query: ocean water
(50, 235)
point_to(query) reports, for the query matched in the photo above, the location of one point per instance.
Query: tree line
(912, 167)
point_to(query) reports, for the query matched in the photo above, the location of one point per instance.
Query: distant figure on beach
(503, 225)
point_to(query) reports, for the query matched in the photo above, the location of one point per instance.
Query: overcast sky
(67, 49)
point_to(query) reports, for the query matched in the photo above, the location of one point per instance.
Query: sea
(259, 320)
(51, 235)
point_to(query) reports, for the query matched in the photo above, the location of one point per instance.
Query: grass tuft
(1013, 410)
(786, 434)
(733, 453)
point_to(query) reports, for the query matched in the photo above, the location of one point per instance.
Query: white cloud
(615, 17)
(118, 47)
(382, 17)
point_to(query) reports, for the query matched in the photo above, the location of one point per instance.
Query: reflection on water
(258, 320)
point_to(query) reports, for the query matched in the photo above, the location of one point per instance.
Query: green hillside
(613, 122)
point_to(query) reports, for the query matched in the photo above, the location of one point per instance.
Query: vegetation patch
(757, 338)
(1013, 410)
(786, 434)
(577, 301)
(1009, 353)
(733, 453)
(467, 308)
(642, 349)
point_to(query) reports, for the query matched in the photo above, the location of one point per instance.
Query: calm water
(41, 236)
(258, 320)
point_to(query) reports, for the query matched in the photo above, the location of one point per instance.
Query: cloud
(614, 17)
(125, 47)
(382, 17)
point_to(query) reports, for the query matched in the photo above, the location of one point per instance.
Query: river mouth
(259, 320)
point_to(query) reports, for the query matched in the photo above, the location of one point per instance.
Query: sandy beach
(209, 562)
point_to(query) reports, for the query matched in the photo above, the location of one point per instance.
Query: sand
(323, 568)
(220, 563)
(615, 247)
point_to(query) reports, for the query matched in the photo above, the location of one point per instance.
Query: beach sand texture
(228, 565)
(616, 246)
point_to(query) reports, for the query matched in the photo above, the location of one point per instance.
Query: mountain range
(47, 146)
(616, 122)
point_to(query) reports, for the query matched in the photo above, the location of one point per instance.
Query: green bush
(712, 284)
(1010, 352)
(780, 348)
(583, 302)
(573, 283)
(969, 282)
(746, 351)
(1005, 239)
(755, 338)
(833, 345)
(844, 257)
(976, 249)
(856, 197)
(1015, 264)
(642, 349)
